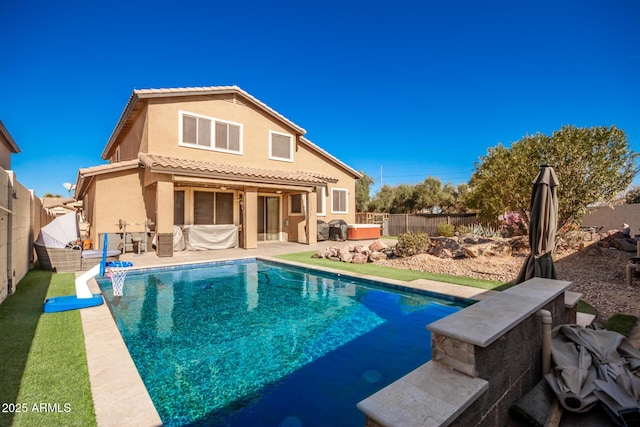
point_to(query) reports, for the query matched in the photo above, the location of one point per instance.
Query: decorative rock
(453, 248)
(492, 248)
(359, 258)
(377, 246)
(361, 250)
(376, 256)
(343, 252)
(346, 257)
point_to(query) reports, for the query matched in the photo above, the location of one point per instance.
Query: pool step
(410, 400)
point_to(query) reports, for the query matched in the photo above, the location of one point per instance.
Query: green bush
(413, 243)
(446, 230)
(464, 229)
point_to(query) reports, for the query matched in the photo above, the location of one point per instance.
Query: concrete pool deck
(119, 395)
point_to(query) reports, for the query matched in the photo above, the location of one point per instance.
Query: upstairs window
(280, 146)
(339, 201)
(209, 133)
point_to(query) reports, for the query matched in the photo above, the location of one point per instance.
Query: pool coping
(119, 394)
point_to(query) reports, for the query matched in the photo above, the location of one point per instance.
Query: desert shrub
(479, 230)
(446, 230)
(413, 243)
(464, 229)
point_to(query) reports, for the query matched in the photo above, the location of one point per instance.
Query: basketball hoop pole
(103, 263)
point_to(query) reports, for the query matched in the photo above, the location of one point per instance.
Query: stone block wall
(512, 365)
(484, 358)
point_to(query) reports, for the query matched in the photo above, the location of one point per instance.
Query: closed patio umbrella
(542, 227)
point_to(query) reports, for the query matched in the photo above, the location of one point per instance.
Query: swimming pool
(257, 343)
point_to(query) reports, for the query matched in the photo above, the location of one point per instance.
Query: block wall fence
(21, 217)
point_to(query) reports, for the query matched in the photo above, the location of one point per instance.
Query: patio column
(312, 219)
(164, 218)
(250, 218)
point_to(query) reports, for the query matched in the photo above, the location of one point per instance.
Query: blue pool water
(252, 343)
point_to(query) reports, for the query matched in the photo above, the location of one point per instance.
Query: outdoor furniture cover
(594, 366)
(207, 237)
(323, 230)
(338, 230)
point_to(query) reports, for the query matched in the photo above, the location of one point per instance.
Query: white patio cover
(59, 232)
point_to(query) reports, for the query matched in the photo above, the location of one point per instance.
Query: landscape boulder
(359, 258)
(447, 248)
(377, 256)
(498, 248)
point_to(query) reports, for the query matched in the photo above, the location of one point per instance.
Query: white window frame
(321, 208)
(302, 204)
(346, 201)
(282, 159)
(212, 137)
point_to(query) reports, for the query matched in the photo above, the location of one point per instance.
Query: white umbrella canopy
(59, 232)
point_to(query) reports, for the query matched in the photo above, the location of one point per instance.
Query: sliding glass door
(268, 218)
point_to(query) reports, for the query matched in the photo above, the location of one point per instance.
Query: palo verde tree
(592, 165)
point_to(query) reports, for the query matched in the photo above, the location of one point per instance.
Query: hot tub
(363, 231)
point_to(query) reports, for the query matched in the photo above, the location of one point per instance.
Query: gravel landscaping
(597, 273)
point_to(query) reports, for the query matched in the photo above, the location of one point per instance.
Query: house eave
(7, 136)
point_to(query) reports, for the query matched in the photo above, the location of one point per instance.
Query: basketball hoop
(117, 273)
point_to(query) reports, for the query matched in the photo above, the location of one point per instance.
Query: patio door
(268, 218)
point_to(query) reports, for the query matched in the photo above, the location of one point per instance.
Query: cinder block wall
(613, 218)
(21, 217)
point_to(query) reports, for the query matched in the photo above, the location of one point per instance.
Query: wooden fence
(397, 224)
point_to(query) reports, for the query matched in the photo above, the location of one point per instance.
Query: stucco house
(7, 147)
(213, 162)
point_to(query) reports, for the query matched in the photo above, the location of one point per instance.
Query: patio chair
(58, 259)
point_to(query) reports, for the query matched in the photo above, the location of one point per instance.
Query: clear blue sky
(416, 88)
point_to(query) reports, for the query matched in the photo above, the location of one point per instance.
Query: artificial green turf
(388, 272)
(44, 369)
(584, 307)
(621, 323)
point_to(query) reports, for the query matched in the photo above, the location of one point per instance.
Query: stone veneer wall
(512, 365)
(484, 358)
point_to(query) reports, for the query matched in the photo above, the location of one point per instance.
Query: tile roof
(233, 172)
(108, 167)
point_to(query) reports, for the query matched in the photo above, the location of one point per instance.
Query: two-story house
(213, 161)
